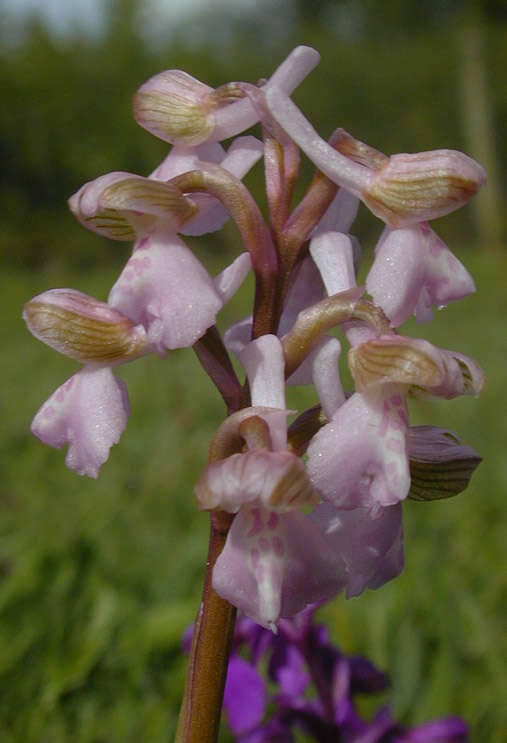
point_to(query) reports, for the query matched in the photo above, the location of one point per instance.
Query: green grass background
(99, 578)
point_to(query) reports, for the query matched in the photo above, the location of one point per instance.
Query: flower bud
(440, 465)
(176, 107)
(84, 328)
(412, 188)
(274, 480)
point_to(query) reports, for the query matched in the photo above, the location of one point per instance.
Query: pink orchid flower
(163, 285)
(89, 411)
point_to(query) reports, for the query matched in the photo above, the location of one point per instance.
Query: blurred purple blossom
(297, 680)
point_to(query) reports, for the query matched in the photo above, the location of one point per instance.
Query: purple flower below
(312, 687)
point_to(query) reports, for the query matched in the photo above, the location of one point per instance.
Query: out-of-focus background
(99, 578)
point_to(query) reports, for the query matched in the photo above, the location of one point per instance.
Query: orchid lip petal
(371, 544)
(89, 412)
(413, 270)
(263, 570)
(164, 288)
(359, 459)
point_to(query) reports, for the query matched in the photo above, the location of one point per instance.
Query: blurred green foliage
(98, 579)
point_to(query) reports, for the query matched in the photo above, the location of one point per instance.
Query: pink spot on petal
(435, 248)
(257, 525)
(60, 395)
(273, 520)
(49, 412)
(278, 546)
(141, 243)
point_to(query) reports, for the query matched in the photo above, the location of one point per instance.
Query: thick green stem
(209, 657)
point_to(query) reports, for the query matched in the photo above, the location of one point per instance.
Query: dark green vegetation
(99, 578)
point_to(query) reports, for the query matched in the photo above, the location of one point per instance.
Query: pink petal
(166, 289)
(230, 279)
(264, 364)
(333, 254)
(370, 544)
(306, 290)
(242, 155)
(446, 278)
(89, 412)
(359, 458)
(265, 571)
(183, 158)
(397, 274)
(413, 269)
(238, 336)
(333, 164)
(237, 117)
(340, 214)
(326, 375)
(275, 480)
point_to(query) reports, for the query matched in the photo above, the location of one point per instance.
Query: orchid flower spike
(302, 529)
(89, 411)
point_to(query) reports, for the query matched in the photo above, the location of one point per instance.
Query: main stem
(209, 657)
